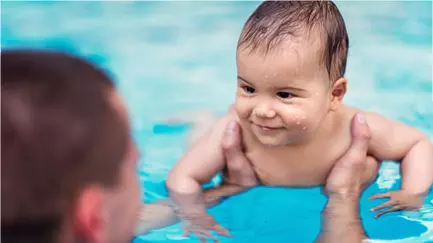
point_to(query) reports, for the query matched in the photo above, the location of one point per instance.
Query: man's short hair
(59, 134)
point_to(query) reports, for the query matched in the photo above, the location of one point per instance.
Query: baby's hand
(200, 223)
(398, 200)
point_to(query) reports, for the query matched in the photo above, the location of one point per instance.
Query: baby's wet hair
(275, 21)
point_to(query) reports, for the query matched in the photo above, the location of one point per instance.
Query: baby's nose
(264, 112)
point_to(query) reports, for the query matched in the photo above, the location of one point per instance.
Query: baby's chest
(302, 171)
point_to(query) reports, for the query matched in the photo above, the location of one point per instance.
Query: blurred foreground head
(68, 162)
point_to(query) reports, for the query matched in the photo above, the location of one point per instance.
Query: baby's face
(282, 97)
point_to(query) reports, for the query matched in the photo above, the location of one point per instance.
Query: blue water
(171, 57)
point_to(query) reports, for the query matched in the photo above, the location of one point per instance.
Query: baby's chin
(272, 142)
(277, 141)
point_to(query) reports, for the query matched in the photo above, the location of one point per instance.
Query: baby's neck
(329, 127)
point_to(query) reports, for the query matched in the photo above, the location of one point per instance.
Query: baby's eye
(248, 89)
(285, 95)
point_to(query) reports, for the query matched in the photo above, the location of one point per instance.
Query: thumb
(361, 133)
(231, 142)
(346, 174)
(355, 156)
(239, 168)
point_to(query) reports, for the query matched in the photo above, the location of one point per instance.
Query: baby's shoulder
(374, 119)
(377, 123)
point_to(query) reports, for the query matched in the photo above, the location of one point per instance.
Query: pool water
(174, 57)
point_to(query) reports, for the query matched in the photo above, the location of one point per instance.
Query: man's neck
(39, 231)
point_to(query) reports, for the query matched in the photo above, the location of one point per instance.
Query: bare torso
(305, 166)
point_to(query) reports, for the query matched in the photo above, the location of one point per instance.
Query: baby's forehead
(309, 45)
(304, 47)
(296, 57)
(312, 37)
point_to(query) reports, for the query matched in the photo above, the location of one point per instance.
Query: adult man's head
(68, 160)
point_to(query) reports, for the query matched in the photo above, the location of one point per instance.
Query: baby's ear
(337, 93)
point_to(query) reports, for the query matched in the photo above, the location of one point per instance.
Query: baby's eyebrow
(290, 88)
(239, 77)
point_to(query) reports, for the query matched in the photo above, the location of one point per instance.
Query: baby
(291, 60)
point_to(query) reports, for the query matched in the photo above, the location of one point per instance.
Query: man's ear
(88, 217)
(338, 91)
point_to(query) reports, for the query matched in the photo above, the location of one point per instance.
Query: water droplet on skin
(304, 128)
(298, 122)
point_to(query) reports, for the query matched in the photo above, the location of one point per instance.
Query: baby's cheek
(243, 107)
(296, 118)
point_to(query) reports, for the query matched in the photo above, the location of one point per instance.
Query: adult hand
(340, 217)
(345, 179)
(344, 185)
(239, 175)
(239, 168)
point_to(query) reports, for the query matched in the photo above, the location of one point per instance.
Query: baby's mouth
(266, 128)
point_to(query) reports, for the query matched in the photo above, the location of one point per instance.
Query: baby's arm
(202, 162)
(392, 140)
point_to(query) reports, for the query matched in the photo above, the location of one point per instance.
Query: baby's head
(291, 60)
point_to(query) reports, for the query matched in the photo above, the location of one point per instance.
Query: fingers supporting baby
(340, 218)
(371, 171)
(357, 153)
(345, 178)
(239, 169)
